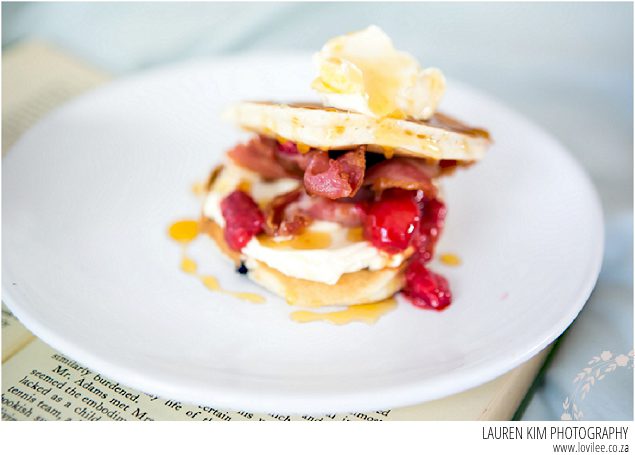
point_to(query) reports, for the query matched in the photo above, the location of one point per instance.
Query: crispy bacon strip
(283, 216)
(406, 173)
(259, 155)
(345, 213)
(294, 163)
(335, 178)
(290, 213)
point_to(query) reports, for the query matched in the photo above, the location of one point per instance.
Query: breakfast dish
(340, 203)
(99, 283)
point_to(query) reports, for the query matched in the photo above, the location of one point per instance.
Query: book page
(40, 383)
(35, 79)
(14, 335)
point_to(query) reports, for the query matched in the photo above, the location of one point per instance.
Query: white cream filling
(231, 177)
(324, 265)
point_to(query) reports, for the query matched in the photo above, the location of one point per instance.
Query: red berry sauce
(391, 222)
(433, 213)
(424, 288)
(243, 219)
(400, 219)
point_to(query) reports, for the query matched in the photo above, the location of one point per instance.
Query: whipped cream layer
(325, 265)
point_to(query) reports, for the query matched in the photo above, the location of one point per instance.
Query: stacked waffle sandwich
(338, 203)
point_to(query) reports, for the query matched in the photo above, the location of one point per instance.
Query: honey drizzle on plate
(212, 284)
(199, 189)
(368, 313)
(188, 265)
(184, 232)
(450, 259)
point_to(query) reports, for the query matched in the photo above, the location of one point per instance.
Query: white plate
(90, 191)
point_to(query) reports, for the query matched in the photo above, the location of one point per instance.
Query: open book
(39, 383)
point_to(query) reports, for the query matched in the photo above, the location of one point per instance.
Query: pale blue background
(566, 66)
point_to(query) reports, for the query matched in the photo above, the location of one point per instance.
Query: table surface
(568, 67)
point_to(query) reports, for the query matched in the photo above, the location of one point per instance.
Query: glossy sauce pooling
(199, 189)
(212, 284)
(308, 240)
(184, 232)
(450, 259)
(355, 234)
(368, 313)
(188, 265)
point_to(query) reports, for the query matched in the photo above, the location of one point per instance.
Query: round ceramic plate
(90, 191)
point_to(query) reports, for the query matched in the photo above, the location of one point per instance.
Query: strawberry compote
(392, 222)
(424, 288)
(400, 219)
(243, 219)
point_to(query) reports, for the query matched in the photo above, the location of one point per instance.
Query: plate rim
(403, 394)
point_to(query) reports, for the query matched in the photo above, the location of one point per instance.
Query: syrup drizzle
(188, 265)
(198, 189)
(355, 234)
(308, 240)
(450, 259)
(368, 313)
(212, 284)
(184, 232)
